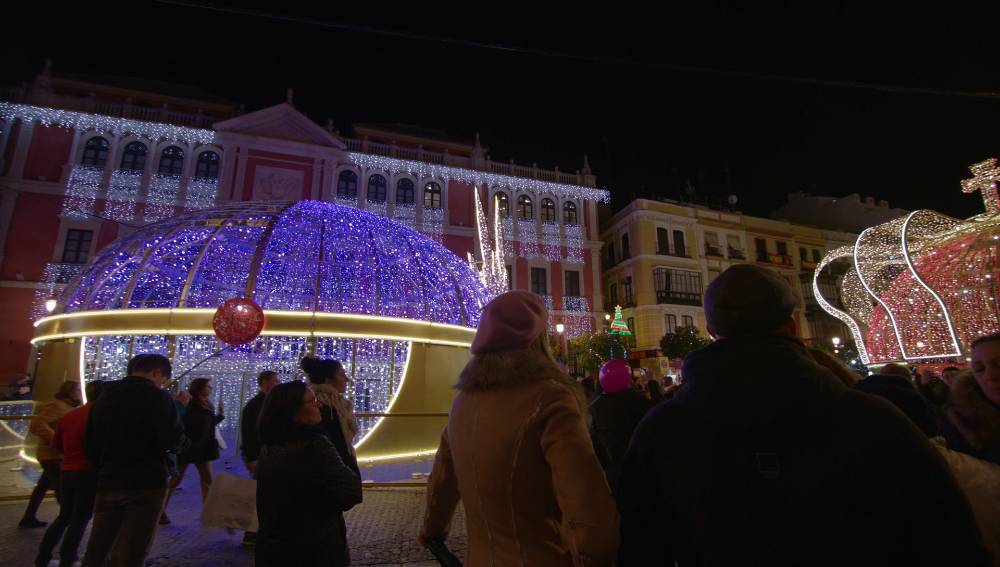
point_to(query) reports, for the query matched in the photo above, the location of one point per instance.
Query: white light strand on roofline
(84, 121)
(473, 177)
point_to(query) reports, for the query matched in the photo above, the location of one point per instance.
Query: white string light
(528, 237)
(123, 192)
(551, 241)
(473, 177)
(162, 197)
(201, 193)
(573, 234)
(82, 189)
(83, 122)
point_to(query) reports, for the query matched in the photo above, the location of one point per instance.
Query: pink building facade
(82, 164)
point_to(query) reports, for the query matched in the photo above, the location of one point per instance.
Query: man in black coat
(130, 430)
(764, 458)
(249, 439)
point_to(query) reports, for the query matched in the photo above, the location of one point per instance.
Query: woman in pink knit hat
(516, 451)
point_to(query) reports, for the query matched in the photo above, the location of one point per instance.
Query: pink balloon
(615, 376)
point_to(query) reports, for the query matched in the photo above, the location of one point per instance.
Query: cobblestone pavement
(381, 532)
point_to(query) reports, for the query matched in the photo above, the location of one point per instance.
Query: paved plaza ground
(381, 531)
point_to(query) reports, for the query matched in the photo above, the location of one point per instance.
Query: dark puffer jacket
(615, 417)
(764, 458)
(303, 490)
(903, 394)
(199, 426)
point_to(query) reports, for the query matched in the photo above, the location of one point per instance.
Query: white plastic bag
(231, 503)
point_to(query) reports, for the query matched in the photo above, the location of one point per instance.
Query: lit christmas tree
(618, 326)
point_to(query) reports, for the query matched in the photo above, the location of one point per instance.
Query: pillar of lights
(922, 287)
(299, 260)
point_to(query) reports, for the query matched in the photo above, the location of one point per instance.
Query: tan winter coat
(43, 426)
(517, 453)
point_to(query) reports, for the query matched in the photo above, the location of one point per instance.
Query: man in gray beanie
(764, 458)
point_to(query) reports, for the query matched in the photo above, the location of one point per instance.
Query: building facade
(659, 257)
(84, 163)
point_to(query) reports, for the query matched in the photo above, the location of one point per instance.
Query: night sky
(647, 129)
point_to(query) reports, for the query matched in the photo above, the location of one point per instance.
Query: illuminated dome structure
(922, 287)
(334, 281)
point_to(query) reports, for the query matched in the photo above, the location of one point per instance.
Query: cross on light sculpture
(986, 174)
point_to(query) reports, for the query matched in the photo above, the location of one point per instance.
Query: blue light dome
(304, 256)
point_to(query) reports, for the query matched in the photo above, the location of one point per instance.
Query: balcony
(776, 259)
(682, 253)
(737, 254)
(807, 266)
(713, 250)
(678, 297)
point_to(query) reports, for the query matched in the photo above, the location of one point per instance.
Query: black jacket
(764, 458)
(130, 429)
(249, 442)
(303, 488)
(903, 394)
(199, 426)
(615, 417)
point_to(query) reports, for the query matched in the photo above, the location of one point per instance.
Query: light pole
(836, 344)
(562, 343)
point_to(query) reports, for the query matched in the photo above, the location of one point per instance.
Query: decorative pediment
(281, 122)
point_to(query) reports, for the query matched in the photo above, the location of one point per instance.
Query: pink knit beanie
(512, 320)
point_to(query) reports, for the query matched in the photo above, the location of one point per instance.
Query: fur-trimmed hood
(514, 367)
(973, 414)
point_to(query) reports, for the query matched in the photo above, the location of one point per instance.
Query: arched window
(503, 205)
(548, 210)
(569, 213)
(134, 157)
(347, 185)
(207, 166)
(95, 152)
(524, 208)
(171, 161)
(404, 192)
(376, 189)
(432, 196)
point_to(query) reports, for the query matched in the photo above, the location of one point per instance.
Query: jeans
(79, 488)
(124, 525)
(48, 481)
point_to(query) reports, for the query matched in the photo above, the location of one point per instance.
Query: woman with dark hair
(329, 383)
(43, 426)
(303, 486)
(200, 421)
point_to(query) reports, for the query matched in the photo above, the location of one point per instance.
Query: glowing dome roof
(302, 257)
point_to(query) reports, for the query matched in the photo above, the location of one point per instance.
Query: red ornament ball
(238, 321)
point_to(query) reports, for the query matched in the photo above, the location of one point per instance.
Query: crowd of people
(768, 452)
(119, 458)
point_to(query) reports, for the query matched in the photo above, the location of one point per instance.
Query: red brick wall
(460, 245)
(32, 235)
(8, 153)
(460, 204)
(15, 312)
(47, 153)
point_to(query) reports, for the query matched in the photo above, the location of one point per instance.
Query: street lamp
(562, 342)
(836, 344)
